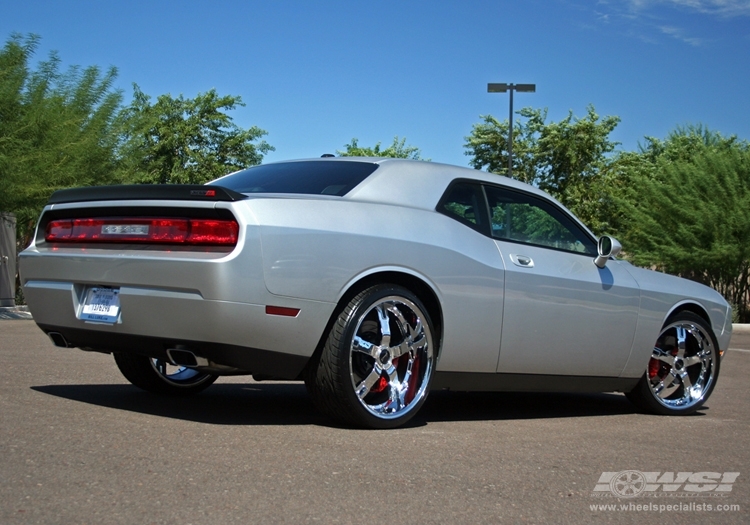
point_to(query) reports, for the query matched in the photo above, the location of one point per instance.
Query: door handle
(523, 261)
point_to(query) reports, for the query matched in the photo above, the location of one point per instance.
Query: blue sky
(316, 74)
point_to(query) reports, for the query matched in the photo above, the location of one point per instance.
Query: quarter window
(465, 202)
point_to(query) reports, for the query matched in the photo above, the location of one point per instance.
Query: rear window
(307, 177)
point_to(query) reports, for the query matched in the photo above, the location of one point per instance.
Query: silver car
(374, 281)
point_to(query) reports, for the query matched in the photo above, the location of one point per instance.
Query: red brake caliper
(412, 381)
(380, 385)
(653, 368)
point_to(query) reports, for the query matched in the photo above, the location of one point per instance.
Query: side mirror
(607, 247)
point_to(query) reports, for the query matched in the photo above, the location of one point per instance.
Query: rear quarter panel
(316, 249)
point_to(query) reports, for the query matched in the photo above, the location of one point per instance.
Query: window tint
(464, 202)
(518, 217)
(308, 177)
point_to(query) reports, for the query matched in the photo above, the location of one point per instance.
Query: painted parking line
(739, 350)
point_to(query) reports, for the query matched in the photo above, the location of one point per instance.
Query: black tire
(683, 368)
(159, 377)
(375, 368)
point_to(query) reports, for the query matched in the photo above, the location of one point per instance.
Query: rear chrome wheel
(376, 365)
(683, 368)
(161, 377)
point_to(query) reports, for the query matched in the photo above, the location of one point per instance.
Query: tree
(568, 158)
(687, 210)
(397, 150)
(56, 129)
(186, 141)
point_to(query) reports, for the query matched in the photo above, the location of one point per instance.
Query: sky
(315, 74)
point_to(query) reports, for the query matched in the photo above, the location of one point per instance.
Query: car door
(562, 314)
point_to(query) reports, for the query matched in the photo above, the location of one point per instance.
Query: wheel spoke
(700, 357)
(686, 382)
(681, 341)
(403, 324)
(365, 347)
(663, 356)
(667, 386)
(414, 337)
(397, 391)
(409, 345)
(385, 325)
(365, 386)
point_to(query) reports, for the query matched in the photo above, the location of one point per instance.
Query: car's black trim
(488, 382)
(252, 360)
(187, 192)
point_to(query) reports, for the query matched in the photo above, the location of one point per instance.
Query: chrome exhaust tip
(183, 357)
(58, 340)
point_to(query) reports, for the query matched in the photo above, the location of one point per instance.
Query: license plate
(101, 305)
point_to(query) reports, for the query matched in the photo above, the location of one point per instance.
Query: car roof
(420, 184)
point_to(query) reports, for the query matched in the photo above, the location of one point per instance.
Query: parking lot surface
(80, 445)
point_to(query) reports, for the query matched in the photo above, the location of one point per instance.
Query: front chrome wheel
(683, 368)
(376, 365)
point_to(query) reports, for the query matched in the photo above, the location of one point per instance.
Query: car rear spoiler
(198, 192)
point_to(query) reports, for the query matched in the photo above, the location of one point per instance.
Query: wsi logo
(632, 483)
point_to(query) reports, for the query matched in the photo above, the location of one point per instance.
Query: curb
(740, 328)
(15, 312)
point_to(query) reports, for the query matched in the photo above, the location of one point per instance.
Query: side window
(465, 202)
(519, 217)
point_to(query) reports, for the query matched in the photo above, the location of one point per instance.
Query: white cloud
(679, 34)
(653, 20)
(727, 8)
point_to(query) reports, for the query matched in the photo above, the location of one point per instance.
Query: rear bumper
(251, 360)
(152, 320)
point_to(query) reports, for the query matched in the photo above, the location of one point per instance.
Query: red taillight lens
(153, 231)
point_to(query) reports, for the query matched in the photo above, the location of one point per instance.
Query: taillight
(152, 231)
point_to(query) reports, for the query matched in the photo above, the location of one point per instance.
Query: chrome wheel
(161, 377)
(682, 370)
(391, 357)
(178, 376)
(375, 367)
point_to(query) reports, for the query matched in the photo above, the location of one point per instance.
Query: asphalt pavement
(79, 445)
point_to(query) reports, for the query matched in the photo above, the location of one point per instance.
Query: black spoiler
(180, 192)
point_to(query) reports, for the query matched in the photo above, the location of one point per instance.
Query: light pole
(502, 88)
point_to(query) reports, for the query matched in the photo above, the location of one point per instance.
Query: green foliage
(56, 129)
(397, 150)
(687, 205)
(186, 141)
(568, 158)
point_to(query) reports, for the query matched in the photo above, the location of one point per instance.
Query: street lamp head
(497, 88)
(502, 88)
